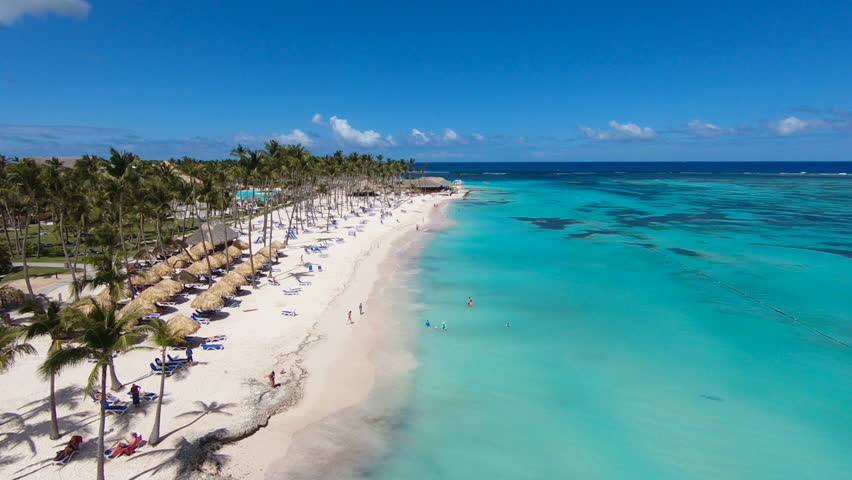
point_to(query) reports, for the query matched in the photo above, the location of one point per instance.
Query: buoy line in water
(743, 294)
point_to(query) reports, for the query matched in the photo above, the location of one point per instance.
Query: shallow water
(662, 327)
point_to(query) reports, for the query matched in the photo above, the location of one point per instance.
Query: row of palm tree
(120, 204)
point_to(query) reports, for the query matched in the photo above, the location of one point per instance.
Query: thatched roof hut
(186, 277)
(126, 292)
(277, 244)
(169, 285)
(235, 279)
(202, 249)
(199, 268)
(234, 252)
(144, 278)
(154, 294)
(222, 234)
(428, 184)
(138, 307)
(245, 269)
(207, 301)
(183, 326)
(163, 269)
(241, 244)
(223, 289)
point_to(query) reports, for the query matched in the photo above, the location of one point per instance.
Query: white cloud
(450, 136)
(621, 131)
(791, 125)
(295, 137)
(12, 10)
(705, 129)
(351, 136)
(478, 137)
(318, 119)
(419, 138)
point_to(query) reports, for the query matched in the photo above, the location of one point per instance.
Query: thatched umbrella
(234, 252)
(183, 326)
(199, 268)
(244, 269)
(207, 301)
(223, 289)
(182, 256)
(261, 258)
(144, 254)
(218, 260)
(126, 292)
(144, 279)
(186, 277)
(235, 279)
(154, 294)
(169, 285)
(194, 257)
(139, 306)
(269, 252)
(181, 264)
(85, 305)
(277, 244)
(241, 244)
(200, 248)
(163, 269)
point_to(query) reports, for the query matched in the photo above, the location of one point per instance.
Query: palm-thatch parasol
(85, 305)
(277, 244)
(144, 254)
(207, 301)
(200, 248)
(181, 264)
(223, 289)
(126, 292)
(194, 257)
(144, 278)
(169, 285)
(269, 252)
(235, 279)
(235, 252)
(163, 269)
(218, 260)
(182, 256)
(154, 294)
(244, 269)
(241, 244)
(138, 307)
(186, 277)
(183, 326)
(199, 268)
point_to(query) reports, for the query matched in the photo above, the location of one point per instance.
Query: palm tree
(108, 273)
(162, 337)
(26, 177)
(102, 336)
(47, 321)
(11, 346)
(120, 170)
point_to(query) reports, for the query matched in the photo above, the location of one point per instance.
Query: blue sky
(453, 81)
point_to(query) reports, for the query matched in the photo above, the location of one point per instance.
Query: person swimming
(508, 324)
(428, 324)
(469, 302)
(444, 326)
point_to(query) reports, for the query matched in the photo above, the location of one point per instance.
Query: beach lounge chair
(201, 320)
(110, 398)
(232, 303)
(212, 346)
(292, 292)
(301, 282)
(319, 267)
(121, 448)
(116, 408)
(310, 268)
(159, 371)
(64, 456)
(147, 396)
(170, 364)
(288, 313)
(214, 339)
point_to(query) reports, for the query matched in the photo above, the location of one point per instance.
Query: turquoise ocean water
(663, 326)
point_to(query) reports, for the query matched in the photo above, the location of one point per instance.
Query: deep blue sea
(668, 321)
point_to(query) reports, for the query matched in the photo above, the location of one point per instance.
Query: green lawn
(18, 273)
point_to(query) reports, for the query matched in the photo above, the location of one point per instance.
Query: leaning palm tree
(102, 335)
(11, 346)
(162, 337)
(26, 178)
(47, 321)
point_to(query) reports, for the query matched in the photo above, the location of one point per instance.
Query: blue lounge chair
(319, 267)
(212, 346)
(172, 365)
(310, 268)
(159, 371)
(292, 292)
(288, 313)
(116, 409)
(303, 283)
(176, 360)
(147, 396)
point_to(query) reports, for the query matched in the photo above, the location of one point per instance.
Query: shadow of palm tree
(69, 396)
(185, 456)
(214, 408)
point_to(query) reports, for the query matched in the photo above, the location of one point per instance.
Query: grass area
(18, 273)
(48, 259)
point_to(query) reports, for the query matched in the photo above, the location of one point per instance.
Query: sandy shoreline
(322, 363)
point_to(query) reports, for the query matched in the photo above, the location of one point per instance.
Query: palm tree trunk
(63, 238)
(251, 255)
(155, 432)
(38, 234)
(24, 254)
(115, 383)
(54, 424)
(121, 231)
(102, 424)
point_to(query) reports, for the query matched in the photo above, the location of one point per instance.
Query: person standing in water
(469, 302)
(444, 327)
(508, 324)
(428, 324)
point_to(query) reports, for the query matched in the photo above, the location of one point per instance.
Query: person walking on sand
(361, 308)
(134, 393)
(469, 302)
(189, 359)
(272, 379)
(349, 322)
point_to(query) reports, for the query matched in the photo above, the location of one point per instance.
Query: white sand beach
(321, 362)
